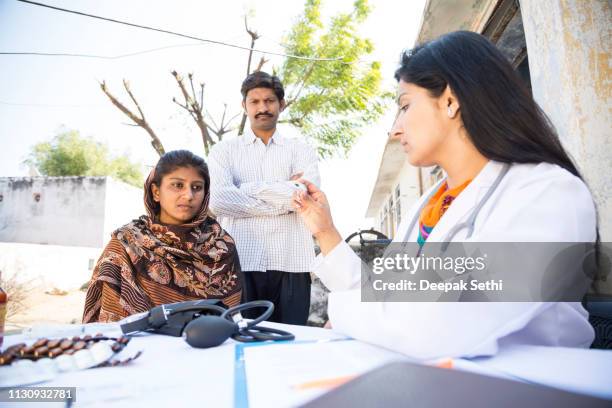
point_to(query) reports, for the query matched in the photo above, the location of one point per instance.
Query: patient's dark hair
(498, 112)
(181, 158)
(262, 79)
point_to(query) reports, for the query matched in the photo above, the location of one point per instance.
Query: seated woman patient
(462, 106)
(174, 253)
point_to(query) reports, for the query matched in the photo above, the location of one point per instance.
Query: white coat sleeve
(426, 330)
(548, 205)
(422, 330)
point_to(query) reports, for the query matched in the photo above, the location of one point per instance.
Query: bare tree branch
(179, 80)
(212, 120)
(233, 117)
(193, 92)
(254, 37)
(225, 126)
(192, 104)
(181, 105)
(139, 121)
(194, 108)
(202, 94)
(262, 61)
(221, 132)
(126, 85)
(242, 123)
(186, 108)
(224, 112)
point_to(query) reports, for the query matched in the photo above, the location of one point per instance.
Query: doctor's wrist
(328, 239)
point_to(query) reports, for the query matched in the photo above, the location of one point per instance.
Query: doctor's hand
(313, 207)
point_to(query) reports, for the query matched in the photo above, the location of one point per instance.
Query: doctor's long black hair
(500, 116)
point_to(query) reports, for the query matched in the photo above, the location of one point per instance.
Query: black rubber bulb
(208, 331)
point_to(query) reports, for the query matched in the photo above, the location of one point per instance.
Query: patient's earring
(450, 112)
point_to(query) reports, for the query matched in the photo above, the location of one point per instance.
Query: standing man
(252, 182)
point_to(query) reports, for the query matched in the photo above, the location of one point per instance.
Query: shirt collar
(250, 138)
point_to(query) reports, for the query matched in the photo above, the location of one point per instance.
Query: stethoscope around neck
(471, 220)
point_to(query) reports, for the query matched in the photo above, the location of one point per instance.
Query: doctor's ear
(449, 102)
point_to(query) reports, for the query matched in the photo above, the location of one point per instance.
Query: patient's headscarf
(147, 263)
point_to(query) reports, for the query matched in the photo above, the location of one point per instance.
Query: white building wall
(69, 212)
(408, 182)
(56, 241)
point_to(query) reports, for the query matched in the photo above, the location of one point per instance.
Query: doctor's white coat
(533, 203)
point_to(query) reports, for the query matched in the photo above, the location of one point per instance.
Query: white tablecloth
(171, 373)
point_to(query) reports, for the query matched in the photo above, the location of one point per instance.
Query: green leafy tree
(70, 154)
(330, 101)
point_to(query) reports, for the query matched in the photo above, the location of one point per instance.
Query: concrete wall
(569, 45)
(70, 211)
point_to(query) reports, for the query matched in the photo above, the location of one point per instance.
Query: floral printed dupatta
(146, 264)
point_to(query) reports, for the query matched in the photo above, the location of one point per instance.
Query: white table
(171, 373)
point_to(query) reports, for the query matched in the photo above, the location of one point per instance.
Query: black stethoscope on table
(199, 332)
(206, 323)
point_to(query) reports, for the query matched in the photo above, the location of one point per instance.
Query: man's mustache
(263, 114)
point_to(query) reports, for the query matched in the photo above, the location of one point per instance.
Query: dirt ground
(41, 308)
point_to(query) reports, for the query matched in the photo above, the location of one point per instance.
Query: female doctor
(463, 107)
